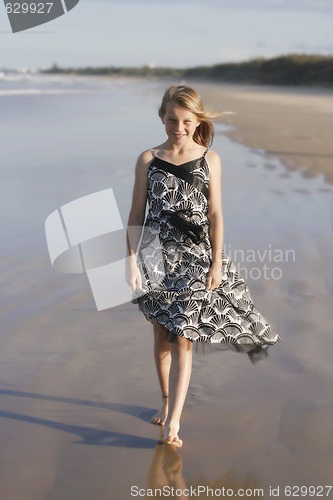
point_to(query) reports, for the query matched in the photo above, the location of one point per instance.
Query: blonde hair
(188, 98)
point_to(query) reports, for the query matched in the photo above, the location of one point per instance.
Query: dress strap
(153, 153)
(205, 152)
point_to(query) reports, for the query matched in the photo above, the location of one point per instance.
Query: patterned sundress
(174, 263)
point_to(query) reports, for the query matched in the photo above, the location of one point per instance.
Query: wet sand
(78, 387)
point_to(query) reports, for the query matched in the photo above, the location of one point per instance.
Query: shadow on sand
(88, 435)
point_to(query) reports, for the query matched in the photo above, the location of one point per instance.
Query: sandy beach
(293, 124)
(78, 387)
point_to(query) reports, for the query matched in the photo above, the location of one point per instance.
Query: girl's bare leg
(162, 356)
(179, 379)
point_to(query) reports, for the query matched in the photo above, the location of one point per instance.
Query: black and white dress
(174, 257)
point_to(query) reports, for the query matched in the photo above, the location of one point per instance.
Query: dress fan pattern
(174, 268)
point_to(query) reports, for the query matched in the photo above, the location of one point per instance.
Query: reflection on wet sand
(166, 477)
(166, 468)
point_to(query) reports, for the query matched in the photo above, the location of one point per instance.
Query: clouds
(262, 5)
(178, 33)
(284, 5)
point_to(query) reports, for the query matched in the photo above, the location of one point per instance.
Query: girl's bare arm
(139, 201)
(214, 276)
(216, 231)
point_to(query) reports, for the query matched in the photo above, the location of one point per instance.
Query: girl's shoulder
(146, 156)
(213, 158)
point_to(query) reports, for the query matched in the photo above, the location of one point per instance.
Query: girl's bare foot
(161, 416)
(171, 435)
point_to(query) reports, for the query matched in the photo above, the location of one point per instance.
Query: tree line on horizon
(294, 69)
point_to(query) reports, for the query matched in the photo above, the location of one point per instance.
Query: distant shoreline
(290, 70)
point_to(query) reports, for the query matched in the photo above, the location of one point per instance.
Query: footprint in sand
(278, 450)
(297, 290)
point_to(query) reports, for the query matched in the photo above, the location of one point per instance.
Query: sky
(178, 33)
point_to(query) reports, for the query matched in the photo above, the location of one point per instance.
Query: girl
(181, 278)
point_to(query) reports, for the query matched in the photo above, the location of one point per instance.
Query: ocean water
(66, 137)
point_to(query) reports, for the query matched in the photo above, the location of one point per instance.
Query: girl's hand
(132, 274)
(214, 276)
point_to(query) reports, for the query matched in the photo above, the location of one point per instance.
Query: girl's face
(180, 124)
